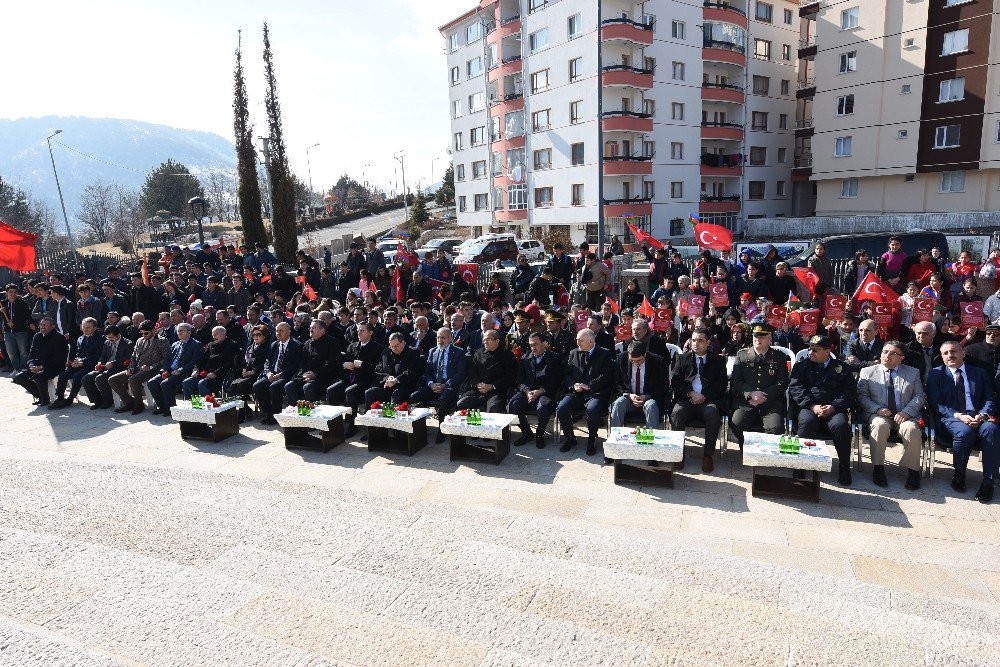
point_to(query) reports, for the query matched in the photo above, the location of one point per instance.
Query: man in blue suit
(443, 378)
(86, 352)
(962, 400)
(184, 354)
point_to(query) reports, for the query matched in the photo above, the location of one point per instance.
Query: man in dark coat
(699, 385)
(398, 373)
(283, 363)
(322, 358)
(116, 351)
(588, 380)
(492, 371)
(86, 351)
(46, 359)
(540, 374)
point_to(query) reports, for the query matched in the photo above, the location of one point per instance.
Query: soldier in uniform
(560, 341)
(823, 390)
(517, 342)
(758, 384)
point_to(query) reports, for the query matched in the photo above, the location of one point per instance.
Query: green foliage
(286, 240)
(446, 193)
(168, 188)
(248, 191)
(418, 211)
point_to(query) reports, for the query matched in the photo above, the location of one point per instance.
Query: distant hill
(116, 143)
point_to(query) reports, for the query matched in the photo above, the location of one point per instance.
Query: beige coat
(600, 276)
(872, 392)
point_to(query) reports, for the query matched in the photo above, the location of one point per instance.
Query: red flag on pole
(646, 308)
(397, 284)
(469, 272)
(643, 237)
(713, 237)
(611, 302)
(403, 255)
(308, 292)
(17, 248)
(807, 277)
(872, 288)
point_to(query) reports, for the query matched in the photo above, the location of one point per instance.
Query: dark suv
(844, 247)
(488, 251)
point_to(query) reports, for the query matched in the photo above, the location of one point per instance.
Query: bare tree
(130, 225)
(97, 210)
(220, 191)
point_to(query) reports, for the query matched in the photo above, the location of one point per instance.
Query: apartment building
(898, 106)
(645, 113)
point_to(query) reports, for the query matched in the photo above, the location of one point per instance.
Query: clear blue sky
(364, 79)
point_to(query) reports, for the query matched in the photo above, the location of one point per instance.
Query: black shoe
(878, 476)
(269, 420)
(351, 431)
(985, 492)
(844, 476)
(591, 449)
(570, 444)
(540, 441)
(106, 406)
(96, 406)
(56, 404)
(525, 438)
(958, 482)
(139, 408)
(912, 480)
(69, 402)
(439, 439)
(125, 407)
(607, 461)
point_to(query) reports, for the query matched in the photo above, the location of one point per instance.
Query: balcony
(804, 127)
(722, 130)
(624, 75)
(628, 165)
(725, 12)
(626, 121)
(627, 30)
(621, 208)
(721, 51)
(805, 88)
(807, 48)
(725, 166)
(503, 105)
(809, 8)
(802, 166)
(722, 92)
(719, 204)
(512, 216)
(507, 67)
(509, 26)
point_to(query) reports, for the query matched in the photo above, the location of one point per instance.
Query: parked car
(532, 249)
(385, 245)
(447, 244)
(844, 247)
(489, 251)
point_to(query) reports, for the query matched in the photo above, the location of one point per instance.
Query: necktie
(891, 394)
(440, 372)
(960, 388)
(638, 380)
(280, 363)
(698, 360)
(114, 349)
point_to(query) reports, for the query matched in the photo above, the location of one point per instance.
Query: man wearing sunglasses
(147, 357)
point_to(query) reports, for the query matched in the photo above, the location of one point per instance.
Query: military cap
(554, 316)
(820, 341)
(762, 329)
(521, 316)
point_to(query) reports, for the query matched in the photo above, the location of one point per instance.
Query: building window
(479, 169)
(453, 41)
(648, 148)
(649, 20)
(786, 87)
(758, 120)
(477, 136)
(474, 67)
(495, 128)
(543, 197)
(762, 49)
(849, 188)
(842, 147)
(755, 190)
(534, 5)
(540, 81)
(845, 105)
(515, 163)
(677, 29)
(764, 12)
(461, 204)
(538, 40)
(540, 120)
(497, 199)
(947, 136)
(952, 90)
(492, 56)
(574, 26)
(575, 67)
(902, 134)
(481, 202)
(676, 189)
(905, 89)
(456, 75)
(477, 102)
(848, 62)
(678, 71)
(456, 108)
(458, 141)
(577, 154)
(676, 150)
(543, 158)
(649, 107)
(779, 189)
(648, 190)
(782, 155)
(473, 32)
(761, 84)
(677, 111)
(849, 18)
(514, 123)
(956, 41)
(758, 156)
(783, 121)
(953, 181)
(459, 172)
(517, 197)
(577, 193)
(574, 112)
(788, 17)
(786, 52)
(496, 164)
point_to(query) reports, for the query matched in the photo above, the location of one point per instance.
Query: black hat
(993, 327)
(820, 341)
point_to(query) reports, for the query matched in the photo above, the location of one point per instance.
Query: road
(371, 225)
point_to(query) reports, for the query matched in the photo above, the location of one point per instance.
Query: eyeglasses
(891, 354)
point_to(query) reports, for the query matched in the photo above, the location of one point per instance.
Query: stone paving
(120, 544)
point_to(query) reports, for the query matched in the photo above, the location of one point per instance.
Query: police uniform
(768, 373)
(517, 342)
(561, 341)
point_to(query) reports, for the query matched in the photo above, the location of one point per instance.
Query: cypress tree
(286, 240)
(248, 191)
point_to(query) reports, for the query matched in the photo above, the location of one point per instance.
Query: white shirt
(696, 383)
(969, 405)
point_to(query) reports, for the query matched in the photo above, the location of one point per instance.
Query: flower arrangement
(305, 408)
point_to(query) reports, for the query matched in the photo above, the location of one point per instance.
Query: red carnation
(376, 405)
(99, 367)
(202, 374)
(463, 412)
(164, 375)
(126, 362)
(405, 407)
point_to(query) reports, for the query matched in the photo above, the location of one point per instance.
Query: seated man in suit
(588, 380)
(921, 353)
(642, 380)
(699, 384)
(824, 390)
(184, 354)
(398, 373)
(322, 359)
(86, 352)
(539, 376)
(358, 373)
(444, 377)
(283, 362)
(891, 396)
(758, 385)
(492, 371)
(961, 398)
(46, 359)
(116, 351)
(864, 350)
(216, 363)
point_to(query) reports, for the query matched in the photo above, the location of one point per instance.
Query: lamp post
(198, 207)
(433, 160)
(69, 234)
(309, 168)
(401, 159)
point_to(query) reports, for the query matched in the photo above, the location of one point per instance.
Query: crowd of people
(700, 342)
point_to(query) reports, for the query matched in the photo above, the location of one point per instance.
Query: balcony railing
(713, 160)
(802, 84)
(721, 44)
(510, 59)
(725, 86)
(809, 3)
(625, 21)
(628, 68)
(803, 161)
(509, 20)
(806, 42)
(633, 200)
(725, 5)
(628, 114)
(720, 197)
(628, 158)
(803, 123)
(717, 123)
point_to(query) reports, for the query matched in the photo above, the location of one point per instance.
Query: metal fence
(68, 263)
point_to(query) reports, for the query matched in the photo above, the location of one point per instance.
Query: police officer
(560, 341)
(517, 341)
(823, 390)
(758, 384)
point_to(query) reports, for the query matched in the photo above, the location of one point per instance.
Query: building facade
(898, 106)
(646, 112)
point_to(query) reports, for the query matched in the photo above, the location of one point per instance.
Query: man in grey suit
(892, 396)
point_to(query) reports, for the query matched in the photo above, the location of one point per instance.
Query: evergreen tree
(446, 193)
(418, 211)
(168, 188)
(286, 241)
(248, 191)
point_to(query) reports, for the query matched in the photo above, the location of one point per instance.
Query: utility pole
(401, 158)
(309, 168)
(69, 234)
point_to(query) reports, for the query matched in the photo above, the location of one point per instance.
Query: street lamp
(433, 160)
(401, 159)
(198, 208)
(69, 235)
(309, 168)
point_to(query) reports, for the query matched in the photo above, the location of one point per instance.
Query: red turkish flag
(807, 277)
(662, 319)
(623, 333)
(614, 305)
(776, 316)
(582, 318)
(643, 237)
(646, 308)
(683, 307)
(720, 294)
(923, 310)
(835, 307)
(469, 272)
(882, 314)
(397, 284)
(972, 315)
(697, 305)
(808, 322)
(872, 288)
(405, 256)
(308, 292)
(17, 248)
(713, 237)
